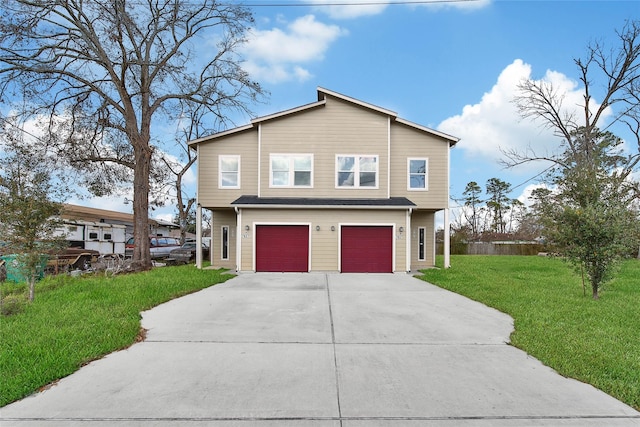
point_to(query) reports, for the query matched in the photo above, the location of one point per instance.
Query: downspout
(259, 159)
(198, 236)
(447, 239)
(407, 227)
(447, 223)
(198, 213)
(388, 157)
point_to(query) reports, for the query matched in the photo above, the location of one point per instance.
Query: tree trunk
(141, 252)
(32, 288)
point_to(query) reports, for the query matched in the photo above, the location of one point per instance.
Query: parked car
(160, 246)
(187, 252)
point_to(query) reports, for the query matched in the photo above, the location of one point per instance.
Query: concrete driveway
(306, 350)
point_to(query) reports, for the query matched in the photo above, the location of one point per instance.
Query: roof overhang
(452, 139)
(255, 202)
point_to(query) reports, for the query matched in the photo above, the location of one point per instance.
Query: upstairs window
(291, 170)
(417, 179)
(229, 167)
(357, 171)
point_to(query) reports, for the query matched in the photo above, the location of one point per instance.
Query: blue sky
(449, 66)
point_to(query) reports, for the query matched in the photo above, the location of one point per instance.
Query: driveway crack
(333, 343)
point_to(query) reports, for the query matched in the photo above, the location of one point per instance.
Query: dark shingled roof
(397, 202)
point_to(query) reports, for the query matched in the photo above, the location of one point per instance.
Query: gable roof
(322, 100)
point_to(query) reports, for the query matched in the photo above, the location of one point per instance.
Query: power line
(532, 178)
(21, 129)
(355, 3)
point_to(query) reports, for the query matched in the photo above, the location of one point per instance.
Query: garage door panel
(282, 248)
(367, 249)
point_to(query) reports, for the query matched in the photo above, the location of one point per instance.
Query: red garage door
(367, 249)
(282, 248)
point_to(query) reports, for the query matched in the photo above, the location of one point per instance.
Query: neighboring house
(84, 213)
(166, 228)
(335, 185)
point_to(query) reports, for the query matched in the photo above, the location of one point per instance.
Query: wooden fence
(485, 248)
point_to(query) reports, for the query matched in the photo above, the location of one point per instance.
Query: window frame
(222, 157)
(291, 157)
(426, 174)
(356, 172)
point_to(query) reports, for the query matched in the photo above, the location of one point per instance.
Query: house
(165, 228)
(337, 185)
(157, 227)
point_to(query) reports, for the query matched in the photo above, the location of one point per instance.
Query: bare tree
(184, 204)
(619, 69)
(194, 128)
(589, 215)
(106, 71)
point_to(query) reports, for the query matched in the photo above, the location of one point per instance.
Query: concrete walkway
(320, 350)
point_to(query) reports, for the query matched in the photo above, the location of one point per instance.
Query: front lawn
(597, 342)
(76, 320)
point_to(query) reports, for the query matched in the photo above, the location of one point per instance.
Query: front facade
(336, 185)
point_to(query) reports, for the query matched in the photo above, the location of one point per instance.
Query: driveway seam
(333, 342)
(348, 418)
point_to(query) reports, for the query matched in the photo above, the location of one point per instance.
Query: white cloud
(278, 55)
(360, 8)
(493, 124)
(461, 5)
(355, 8)
(525, 195)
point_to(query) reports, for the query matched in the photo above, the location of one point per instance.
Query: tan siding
(407, 142)
(337, 128)
(324, 243)
(244, 144)
(219, 218)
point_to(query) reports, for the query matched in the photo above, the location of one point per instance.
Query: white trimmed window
(417, 174)
(229, 171)
(291, 170)
(356, 171)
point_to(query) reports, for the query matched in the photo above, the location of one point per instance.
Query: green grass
(73, 321)
(597, 342)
